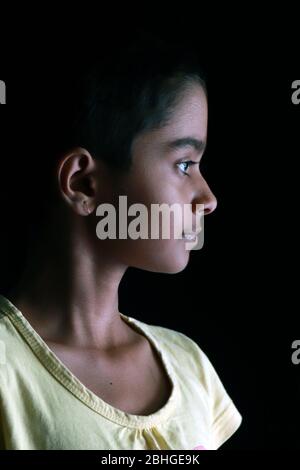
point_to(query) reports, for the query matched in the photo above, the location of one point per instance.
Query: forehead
(189, 118)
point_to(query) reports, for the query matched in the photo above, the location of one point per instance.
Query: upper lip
(194, 232)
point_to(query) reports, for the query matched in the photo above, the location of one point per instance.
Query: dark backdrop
(238, 296)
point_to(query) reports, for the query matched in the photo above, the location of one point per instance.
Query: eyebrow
(198, 145)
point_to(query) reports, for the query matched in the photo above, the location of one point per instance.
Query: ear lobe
(86, 207)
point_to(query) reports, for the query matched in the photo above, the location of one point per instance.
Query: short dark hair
(118, 94)
(99, 101)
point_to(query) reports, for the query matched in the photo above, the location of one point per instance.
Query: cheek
(155, 205)
(162, 255)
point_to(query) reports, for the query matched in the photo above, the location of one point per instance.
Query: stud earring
(86, 207)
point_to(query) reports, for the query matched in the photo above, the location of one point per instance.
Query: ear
(77, 180)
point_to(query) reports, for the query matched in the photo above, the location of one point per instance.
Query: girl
(75, 372)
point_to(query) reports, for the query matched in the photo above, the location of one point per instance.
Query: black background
(238, 296)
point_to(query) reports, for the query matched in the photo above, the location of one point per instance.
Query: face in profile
(166, 170)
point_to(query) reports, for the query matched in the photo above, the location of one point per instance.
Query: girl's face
(159, 175)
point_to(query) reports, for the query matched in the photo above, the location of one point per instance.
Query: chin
(168, 265)
(175, 269)
(163, 258)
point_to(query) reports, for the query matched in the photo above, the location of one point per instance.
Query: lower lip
(189, 238)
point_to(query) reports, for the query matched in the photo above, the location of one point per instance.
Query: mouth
(189, 236)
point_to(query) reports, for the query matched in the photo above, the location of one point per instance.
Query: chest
(136, 383)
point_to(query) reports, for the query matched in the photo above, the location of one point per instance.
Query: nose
(207, 198)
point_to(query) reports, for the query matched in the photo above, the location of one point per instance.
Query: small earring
(86, 207)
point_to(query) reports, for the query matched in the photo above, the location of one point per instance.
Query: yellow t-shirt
(44, 406)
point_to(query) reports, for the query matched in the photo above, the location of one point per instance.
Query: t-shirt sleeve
(1, 438)
(225, 418)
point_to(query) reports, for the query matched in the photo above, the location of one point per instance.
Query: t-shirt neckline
(64, 375)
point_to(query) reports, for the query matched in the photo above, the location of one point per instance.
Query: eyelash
(190, 163)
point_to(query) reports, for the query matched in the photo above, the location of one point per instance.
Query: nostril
(210, 206)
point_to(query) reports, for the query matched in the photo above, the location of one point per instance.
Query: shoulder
(7, 333)
(192, 364)
(180, 347)
(167, 336)
(14, 351)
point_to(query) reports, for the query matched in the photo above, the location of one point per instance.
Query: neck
(69, 293)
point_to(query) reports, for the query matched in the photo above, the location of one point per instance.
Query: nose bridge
(204, 195)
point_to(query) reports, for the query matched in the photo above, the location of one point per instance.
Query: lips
(189, 236)
(194, 231)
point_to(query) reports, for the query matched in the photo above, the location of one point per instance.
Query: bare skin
(69, 291)
(132, 380)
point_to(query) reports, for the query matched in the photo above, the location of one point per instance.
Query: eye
(188, 163)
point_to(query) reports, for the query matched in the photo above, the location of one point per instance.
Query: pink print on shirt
(199, 448)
